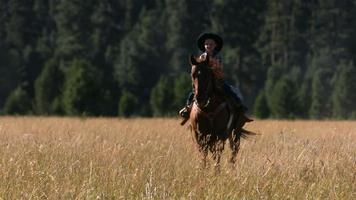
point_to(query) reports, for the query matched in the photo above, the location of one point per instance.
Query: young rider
(211, 44)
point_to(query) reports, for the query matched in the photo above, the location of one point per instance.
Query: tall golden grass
(101, 158)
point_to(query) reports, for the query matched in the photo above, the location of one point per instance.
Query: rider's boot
(185, 112)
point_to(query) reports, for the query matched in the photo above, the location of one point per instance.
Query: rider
(210, 44)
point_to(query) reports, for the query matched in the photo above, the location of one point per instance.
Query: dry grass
(72, 158)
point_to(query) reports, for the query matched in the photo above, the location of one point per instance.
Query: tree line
(290, 58)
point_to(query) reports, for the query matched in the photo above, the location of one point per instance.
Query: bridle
(207, 91)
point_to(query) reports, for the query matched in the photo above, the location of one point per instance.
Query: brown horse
(211, 117)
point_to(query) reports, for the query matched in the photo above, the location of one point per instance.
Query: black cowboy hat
(202, 37)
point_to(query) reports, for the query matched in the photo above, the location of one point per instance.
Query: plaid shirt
(215, 63)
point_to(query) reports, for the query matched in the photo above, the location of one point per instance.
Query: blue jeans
(233, 92)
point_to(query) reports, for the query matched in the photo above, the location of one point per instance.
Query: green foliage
(9, 68)
(238, 22)
(321, 95)
(20, 23)
(18, 103)
(274, 73)
(261, 109)
(81, 92)
(295, 51)
(139, 65)
(128, 104)
(184, 21)
(74, 29)
(162, 96)
(322, 70)
(47, 89)
(284, 103)
(182, 86)
(344, 96)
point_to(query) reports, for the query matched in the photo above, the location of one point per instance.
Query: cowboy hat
(204, 36)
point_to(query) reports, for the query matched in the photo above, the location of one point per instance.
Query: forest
(291, 59)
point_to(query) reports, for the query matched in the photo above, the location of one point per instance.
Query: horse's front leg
(234, 140)
(203, 148)
(218, 149)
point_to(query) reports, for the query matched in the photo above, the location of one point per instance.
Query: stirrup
(184, 112)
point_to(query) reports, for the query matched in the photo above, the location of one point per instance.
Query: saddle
(185, 112)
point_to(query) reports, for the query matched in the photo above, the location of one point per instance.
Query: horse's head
(202, 81)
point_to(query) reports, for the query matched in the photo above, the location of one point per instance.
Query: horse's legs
(203, 148)
(203, 153)
(234, 140)
(217, 151)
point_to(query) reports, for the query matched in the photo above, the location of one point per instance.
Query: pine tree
(321, 95)
(331, 27)
(261, 109)
(239, 23)
(284, 103)
(22, 32)
(273, 75)
(182, 86)
(48, 89)
(141, 56)
(74, 29)
(81, 92)
(108, 28)
(9, 67)
(185, 20)
(18, 103)
(128, 104)
(320, 73)
(344, 96)
(162, 96)
(178, 34)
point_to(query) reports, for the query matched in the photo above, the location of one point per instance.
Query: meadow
(112, 158)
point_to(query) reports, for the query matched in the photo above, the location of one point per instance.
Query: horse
(212, 119)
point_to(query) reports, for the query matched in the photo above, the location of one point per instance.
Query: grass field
(100, 158)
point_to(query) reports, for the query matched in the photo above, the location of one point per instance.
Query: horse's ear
(192, 60)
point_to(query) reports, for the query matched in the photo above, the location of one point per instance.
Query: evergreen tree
(178, 34)
(19, 25)
(141, 56)
(261, 109)
(344, 96)
(74, 29)
(17, 103)
(321, 95)
(182, 87)
(81, 93)
(9, 67)
(162, 97)
(239, 23)
(320, 73)
(284, 102)
(22, 32)
(128, 104)
(108, 29)
(185, 21)
(48, 89)
(273, 75)
(331, 28)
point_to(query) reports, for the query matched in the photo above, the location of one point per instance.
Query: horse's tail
(245, 133)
